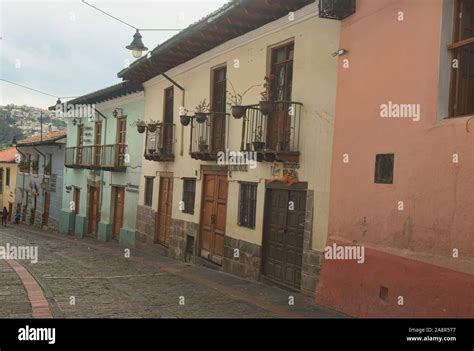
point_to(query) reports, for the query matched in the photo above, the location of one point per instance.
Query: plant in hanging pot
(266, 105)
(185, 120)
(258, 143)
(237, 109)
(183, 116)
(201, 111)
(152, 126)
(47, 168)
(141, 126)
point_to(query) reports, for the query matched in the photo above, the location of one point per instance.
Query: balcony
(274, 137)
(97, 157)
(208, 137)
(159, 144)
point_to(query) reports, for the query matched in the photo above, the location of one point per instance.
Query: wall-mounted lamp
(14, 141)
(339, 52)
(116, 112)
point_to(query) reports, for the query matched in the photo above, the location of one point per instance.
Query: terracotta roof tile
(47, 137)
(8, 155)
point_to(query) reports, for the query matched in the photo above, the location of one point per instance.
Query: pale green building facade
(103, 164)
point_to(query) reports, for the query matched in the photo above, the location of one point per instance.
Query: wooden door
(93, 215)
(283, 236)
(121, 141)
(80, 144)
(165, 203)
(46, 204)
(77, 200)
(119, 203)
(218, 106)
(97, 143)
(279, 121)
(167, 133)
(213, 216)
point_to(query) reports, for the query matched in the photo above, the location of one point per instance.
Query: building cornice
(121, 101)
(307, 12)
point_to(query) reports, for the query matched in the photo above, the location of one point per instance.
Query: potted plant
(141, 126)
(152, 125)
(235, 104)
(47, 169)
(185, 120)
(201, 111)
(34, 166)
(258, 143)
(266, 105)
(183, 117)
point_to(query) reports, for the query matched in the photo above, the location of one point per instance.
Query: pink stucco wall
(399, 61)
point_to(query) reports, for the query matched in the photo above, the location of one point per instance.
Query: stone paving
(89, 279)
(14, 301)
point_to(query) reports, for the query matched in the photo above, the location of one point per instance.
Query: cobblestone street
(90, 279)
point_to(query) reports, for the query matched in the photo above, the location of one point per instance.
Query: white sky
(67, 48)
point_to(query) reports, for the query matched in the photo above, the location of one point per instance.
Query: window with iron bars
(247, 205)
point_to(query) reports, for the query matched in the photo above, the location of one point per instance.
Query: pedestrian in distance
(4, 216)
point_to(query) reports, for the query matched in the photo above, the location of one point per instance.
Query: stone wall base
(242, 258)
(66, 222)
(146, 226)
(311, 271)
(182, 239)
(104, 232)
(80, 226)
(127, 238)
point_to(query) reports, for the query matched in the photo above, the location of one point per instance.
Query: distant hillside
(24, 121)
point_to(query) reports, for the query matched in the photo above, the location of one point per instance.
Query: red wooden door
(167, 133)
(97, 143)
(213, 216)
(80, 144)
(46, 203)
(165, 202)
(218, 106)
(119, 203)
(279, 121)
(93, 215)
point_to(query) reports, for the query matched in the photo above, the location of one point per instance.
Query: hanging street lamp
(136, 46)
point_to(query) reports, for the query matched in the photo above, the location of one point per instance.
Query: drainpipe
(44, 162)
(182, 127)
(23, 183)
(102, 171)
(44, 156)
(172, 81)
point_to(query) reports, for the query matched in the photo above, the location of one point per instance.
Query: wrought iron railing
(209, 137)
(159, 144)
(275, 137)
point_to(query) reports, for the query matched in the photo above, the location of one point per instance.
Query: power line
(128, 24)
(36, 90)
